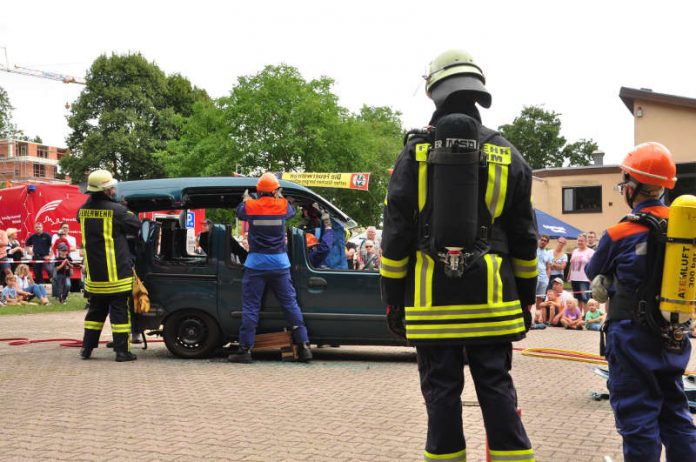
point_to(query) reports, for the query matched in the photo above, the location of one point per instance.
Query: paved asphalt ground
(351, 403)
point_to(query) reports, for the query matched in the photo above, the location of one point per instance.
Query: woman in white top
(26, 285)
(559, 261)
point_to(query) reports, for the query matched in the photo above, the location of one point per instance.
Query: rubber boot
(242, 355)
(123, 356)
(304, 354)
(85, 353)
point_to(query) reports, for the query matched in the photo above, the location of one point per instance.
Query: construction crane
(40, 74)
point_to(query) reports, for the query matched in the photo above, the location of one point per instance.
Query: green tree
(128, 110)
(537, 134)
(7, 128)
(275, 120)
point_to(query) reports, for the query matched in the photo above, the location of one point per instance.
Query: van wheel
(191, 334)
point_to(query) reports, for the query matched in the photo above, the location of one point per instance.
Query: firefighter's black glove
(396, 321)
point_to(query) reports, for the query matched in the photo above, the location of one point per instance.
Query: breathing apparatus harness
(673, 333)
(449, 227)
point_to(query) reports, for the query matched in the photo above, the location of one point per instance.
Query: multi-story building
(29, 162)
(587, 197)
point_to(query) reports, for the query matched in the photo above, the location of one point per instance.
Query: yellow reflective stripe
(84, 246)
(392, 274)
(121, 328)
(123, 281)
(425, 266)
(94, 325)
(524, 455)
(525, 268)
(496, 189)
(422, 157)
(463, 311)
(474, 329)
(494, 283)
(109, 248)
(459, 456)
(394, 269)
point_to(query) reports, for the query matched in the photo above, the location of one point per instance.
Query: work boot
(304, 354)
(123, 356)
(85, 353)
(242, 355)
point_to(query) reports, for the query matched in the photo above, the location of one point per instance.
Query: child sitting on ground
(9, 295)
(571, 317)
(594, 318)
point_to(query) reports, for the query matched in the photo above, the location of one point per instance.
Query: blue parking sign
(190, 219)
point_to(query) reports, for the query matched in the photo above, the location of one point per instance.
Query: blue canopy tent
(555, 228)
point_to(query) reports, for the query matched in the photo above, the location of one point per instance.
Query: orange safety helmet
(650, 163)
(311, 240)
(267, 183)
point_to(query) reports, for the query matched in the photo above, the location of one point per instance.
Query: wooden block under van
(273, 340)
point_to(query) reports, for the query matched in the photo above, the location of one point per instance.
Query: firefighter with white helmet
(459, 261)
(105, 224)
(647, 355)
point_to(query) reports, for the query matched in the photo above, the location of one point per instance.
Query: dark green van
(196, 298)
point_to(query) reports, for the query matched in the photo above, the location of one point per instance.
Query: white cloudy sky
(570, 56)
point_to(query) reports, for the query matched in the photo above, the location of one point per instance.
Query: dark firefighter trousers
(441, 371)
(646, 391)
(116, 307)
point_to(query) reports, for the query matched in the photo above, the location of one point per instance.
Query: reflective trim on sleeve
(494, 281)
(94, 325)
(394, 269)
(441, 313)
(524, 455)
(459, 456)
(525, 269)
(468, 330)
(425, 267)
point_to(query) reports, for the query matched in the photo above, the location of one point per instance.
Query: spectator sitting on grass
(10, 295)
(27, 288)
(594, 318)
(571, 317)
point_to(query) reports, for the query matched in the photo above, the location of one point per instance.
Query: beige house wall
(547, 195)
(673, 126)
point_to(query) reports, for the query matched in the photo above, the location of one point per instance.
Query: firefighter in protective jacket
(108, 263)
(459, 259)
(646, 365)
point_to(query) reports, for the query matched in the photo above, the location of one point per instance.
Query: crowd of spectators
(556, 306)
(43, 259)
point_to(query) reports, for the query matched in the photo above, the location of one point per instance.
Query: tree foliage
(537, 134)
(277, 121)
(7, 128)
(128, 110)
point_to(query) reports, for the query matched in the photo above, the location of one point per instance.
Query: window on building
(582, 199)
(23, 149)
(42, 151)
(60, 153)
(39, 170)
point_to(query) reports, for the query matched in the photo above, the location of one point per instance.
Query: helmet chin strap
(632, 190)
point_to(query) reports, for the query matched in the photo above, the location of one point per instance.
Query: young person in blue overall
(645, 383)
(267, 264)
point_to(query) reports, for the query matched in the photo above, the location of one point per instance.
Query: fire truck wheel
(191, 334)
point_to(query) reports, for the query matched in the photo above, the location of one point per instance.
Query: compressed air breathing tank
(678, 293)
(453, 192)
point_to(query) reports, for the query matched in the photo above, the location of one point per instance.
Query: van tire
(191, 334)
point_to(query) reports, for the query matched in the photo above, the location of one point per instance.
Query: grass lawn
(75, 302)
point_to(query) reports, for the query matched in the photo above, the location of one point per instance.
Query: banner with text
(358, 181)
